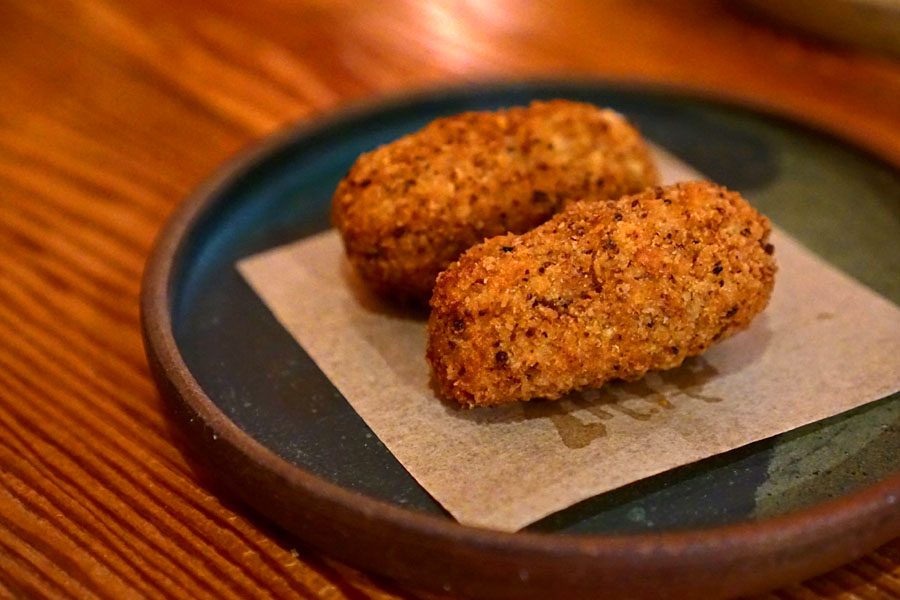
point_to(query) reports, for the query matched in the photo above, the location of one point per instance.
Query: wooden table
(112, 110)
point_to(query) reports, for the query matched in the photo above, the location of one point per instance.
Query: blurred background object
(873, 24)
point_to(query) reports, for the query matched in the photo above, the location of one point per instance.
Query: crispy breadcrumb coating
(604, 290)
(408, 209)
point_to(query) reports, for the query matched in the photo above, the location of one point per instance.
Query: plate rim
(479, 562)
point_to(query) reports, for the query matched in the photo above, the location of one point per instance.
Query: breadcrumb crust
(604, 290)
(408, 209)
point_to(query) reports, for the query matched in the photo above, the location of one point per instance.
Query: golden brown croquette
(410, 208)
(604, 290)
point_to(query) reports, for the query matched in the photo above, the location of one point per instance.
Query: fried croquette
(410, 208)
(604, 290)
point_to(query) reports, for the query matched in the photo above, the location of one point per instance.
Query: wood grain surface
(112, 111)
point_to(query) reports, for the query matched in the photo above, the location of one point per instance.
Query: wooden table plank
(113, 110)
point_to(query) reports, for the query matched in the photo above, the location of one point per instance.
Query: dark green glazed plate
(283, 438)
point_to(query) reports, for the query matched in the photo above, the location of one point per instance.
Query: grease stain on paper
(661, 390)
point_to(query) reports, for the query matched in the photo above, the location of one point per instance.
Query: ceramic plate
(276, 431)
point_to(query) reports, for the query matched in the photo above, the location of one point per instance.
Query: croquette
(408, 209)
(603, 290)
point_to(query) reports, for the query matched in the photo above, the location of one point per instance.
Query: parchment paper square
(824, 345)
